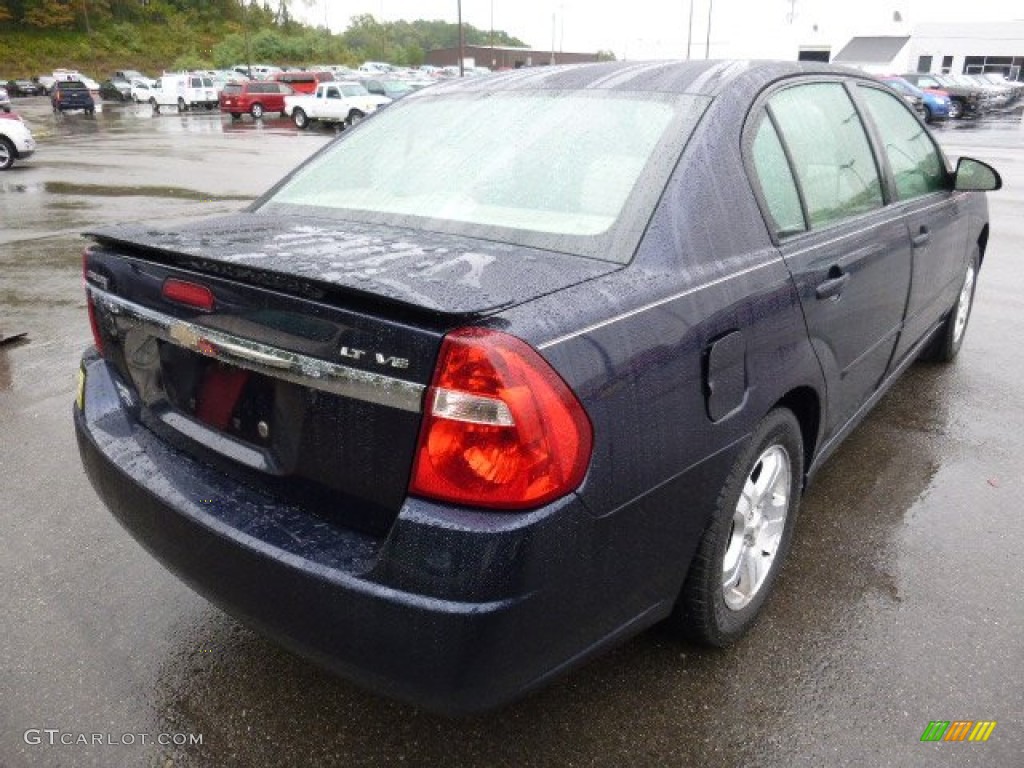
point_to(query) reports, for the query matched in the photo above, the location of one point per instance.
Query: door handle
(831, 288)
(921, 238)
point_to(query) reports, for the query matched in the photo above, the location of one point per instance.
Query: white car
(141, 90)
(16, 142)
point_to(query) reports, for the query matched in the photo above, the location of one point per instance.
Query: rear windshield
(545, 169)
(73, 85)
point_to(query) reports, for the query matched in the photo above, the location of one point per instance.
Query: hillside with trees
(98, 36)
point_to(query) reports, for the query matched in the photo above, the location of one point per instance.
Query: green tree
(49, 14)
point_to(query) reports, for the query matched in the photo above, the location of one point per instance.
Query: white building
(888, 45)
(968, 48)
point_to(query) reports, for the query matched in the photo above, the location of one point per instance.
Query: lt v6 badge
(389, 361)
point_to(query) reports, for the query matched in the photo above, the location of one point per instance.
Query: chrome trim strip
(899, 209)
(269, 361)
(658, 303)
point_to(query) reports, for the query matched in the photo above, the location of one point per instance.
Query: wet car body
(676, 334)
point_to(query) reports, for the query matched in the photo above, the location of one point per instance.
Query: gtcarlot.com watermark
(55, 737)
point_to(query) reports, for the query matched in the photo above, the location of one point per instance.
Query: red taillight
(500, 428)
(190, 294)
(97, 340)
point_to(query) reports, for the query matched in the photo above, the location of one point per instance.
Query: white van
(186, 90)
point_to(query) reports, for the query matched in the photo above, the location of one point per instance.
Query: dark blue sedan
(525, 364)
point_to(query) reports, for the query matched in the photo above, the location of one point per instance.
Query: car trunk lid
(428, 272)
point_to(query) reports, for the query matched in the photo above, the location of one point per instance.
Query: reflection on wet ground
(900, 603)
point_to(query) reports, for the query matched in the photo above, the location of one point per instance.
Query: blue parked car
(936, 106)
(526, 363)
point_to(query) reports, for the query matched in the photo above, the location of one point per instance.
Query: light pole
(245, 27)
(689, 32)
(707, 44)
(462, 44)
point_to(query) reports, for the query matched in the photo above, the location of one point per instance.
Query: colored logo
(958, 730)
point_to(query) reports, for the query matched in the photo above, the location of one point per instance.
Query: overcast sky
(658, 28)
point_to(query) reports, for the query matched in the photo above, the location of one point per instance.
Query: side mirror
(976, 176)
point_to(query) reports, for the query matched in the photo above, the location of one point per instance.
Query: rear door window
(829, 147)
(916, 163)
(778, 187)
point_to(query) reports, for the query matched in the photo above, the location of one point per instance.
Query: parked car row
(969, 95)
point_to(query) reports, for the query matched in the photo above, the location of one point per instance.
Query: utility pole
(245, 27)
(462, 45)
(553, 38)
(707, 44)
(689, 32)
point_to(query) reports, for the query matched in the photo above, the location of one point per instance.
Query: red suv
(303, 82)
(255, 97)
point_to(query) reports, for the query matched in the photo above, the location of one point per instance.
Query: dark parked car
(23, 88)
(71, 94)
(965, 101)
(116, 90)
(5, 100)
(393, 89)
(524, 365)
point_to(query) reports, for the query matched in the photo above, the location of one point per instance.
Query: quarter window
(830, 151)
(916, 164)
(776, 179)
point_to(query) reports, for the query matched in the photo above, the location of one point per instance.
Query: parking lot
(900, 604)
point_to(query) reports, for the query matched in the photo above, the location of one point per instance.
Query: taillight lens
(97, 339)
(500, 428)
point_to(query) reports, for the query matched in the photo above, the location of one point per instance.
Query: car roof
(701, 77)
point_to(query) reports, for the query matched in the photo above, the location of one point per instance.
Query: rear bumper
(455, 611)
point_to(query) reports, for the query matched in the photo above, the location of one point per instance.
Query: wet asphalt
(902, 601)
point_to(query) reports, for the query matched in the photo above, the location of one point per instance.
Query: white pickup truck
(333, 102)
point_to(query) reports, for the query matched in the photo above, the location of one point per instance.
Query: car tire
(956, 109)
(353, 118)
(928, 118)
(7, 109)
(90, 111)
(182, 106)
(7, 153)
(256, 110)
(236, 115)
(747, 538)
(950, 337)
(156, 107)
(300, 119)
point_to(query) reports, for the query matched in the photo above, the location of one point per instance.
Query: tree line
(220, 33)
